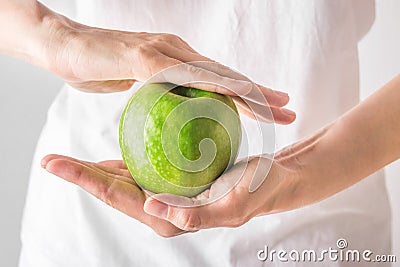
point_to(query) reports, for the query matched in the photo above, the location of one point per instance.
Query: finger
(194, 219)
(170, 69)
(92, 181)
(182, 53)
(176, 200)
(110, 86)
(265, 114)
(266, 96)
(193, 76)
(115, 173)
(47, 158)
(122, 174)
(184, 218)
(258, 92)
(124, 197)
(233, 209)
(103, 169)
(245, 90)
(178, 42)
(150, 66)
(226, 211)
(120, 164)
(50, 157)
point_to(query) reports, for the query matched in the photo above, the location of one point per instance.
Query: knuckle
(192, 68)
(79, 174)
(290, 150)
(168, 37)
(107, 194)
(162, 39)
(198, 74)
(143, 50)
(193, 222)
(188, 221)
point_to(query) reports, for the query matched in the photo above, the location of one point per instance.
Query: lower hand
(111, 182)
(297, 176)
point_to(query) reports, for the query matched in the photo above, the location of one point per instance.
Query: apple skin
(178, 140)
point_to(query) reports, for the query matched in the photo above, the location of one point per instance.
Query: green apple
(178, 140)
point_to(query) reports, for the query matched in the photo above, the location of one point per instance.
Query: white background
(26, 93)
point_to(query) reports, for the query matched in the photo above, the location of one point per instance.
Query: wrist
(28, 29)
(315, 170)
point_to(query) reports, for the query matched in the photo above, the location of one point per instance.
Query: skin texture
(354, 146)
(101, 60)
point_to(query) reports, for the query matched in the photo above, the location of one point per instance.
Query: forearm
(25, 28)
(359, 143)
(367, 138)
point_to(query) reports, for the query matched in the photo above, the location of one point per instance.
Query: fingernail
(281, 94)
(50, 168)
(43, 163)
(288, 112)
(157, 209)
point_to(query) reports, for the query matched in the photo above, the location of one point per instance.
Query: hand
(250, 188)
(311, 170)
(297, 176)
(288, 181)
(101, 60)
(111, 182)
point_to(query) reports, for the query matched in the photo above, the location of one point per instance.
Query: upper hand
(101, 60)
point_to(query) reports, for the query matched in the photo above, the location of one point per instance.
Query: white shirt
(308, 49)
